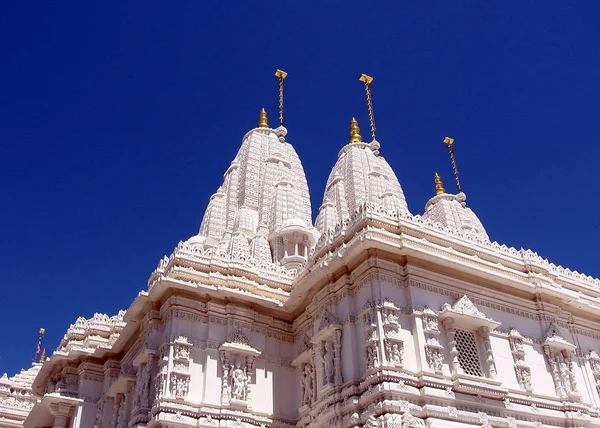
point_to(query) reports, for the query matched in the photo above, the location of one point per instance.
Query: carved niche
(328, 342)
(237, 363)
(305, 366)
(560, 359)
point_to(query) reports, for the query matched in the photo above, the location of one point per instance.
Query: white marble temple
(373, 317)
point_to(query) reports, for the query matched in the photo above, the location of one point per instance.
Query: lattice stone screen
(468, 356)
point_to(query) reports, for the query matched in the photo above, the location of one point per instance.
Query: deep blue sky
(117, 121)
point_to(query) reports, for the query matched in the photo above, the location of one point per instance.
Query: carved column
(450, 327)
(522, 371)
(337, 356)
(434, 351)
(249, 371)
(124, 417)
(225, 379)
(117, 410)
(484, 333)
(323, 355)
(61, 413)
(314, 376)
(100, 412)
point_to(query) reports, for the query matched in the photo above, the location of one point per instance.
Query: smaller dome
(452, 211)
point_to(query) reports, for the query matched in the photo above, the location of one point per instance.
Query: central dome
(264, 191)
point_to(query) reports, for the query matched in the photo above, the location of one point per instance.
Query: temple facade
(371, 316)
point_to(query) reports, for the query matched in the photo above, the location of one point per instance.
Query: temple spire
(439, 186)
(262, 121)
(354, 132)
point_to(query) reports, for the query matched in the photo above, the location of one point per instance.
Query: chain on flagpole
(450, 144)
(367, 81)
(281, 75)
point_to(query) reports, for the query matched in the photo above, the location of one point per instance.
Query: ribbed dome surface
(452, 211)
(264, 187)
(359, 176)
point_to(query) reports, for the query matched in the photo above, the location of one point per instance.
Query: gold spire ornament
(367, 81)
(43, 357)
(354, 132)
(281, 75)
(439, 186)
(449, 142)
(262, 120)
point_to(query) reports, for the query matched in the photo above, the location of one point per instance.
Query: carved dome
(264, 189)
(359, 176)
(452, 211)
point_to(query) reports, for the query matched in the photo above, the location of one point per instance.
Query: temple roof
(359, 176)
(264, 191)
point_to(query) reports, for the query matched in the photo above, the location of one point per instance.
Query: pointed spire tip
(262, 120)
(439, 185)
(355, 132)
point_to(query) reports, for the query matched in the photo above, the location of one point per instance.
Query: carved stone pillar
(61, 413)
(127, 401)
(249, 371)
(323, 356)
(225, 379)
(117, 410)
(313, 361)
(484, 333)
(450, 327)
(337, 356)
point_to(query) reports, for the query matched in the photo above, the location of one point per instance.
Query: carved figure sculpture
(307, 384)
(238, 377)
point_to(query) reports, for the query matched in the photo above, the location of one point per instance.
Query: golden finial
(280, 74)
(42, 330)
(262, 121)
(449, 142)
(354, 132)
(439, 186)
(367, 81)
(43, 357)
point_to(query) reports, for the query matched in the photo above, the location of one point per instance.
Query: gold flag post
(38, 349)
(449, 142)
(367, 80)
(281, 75)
